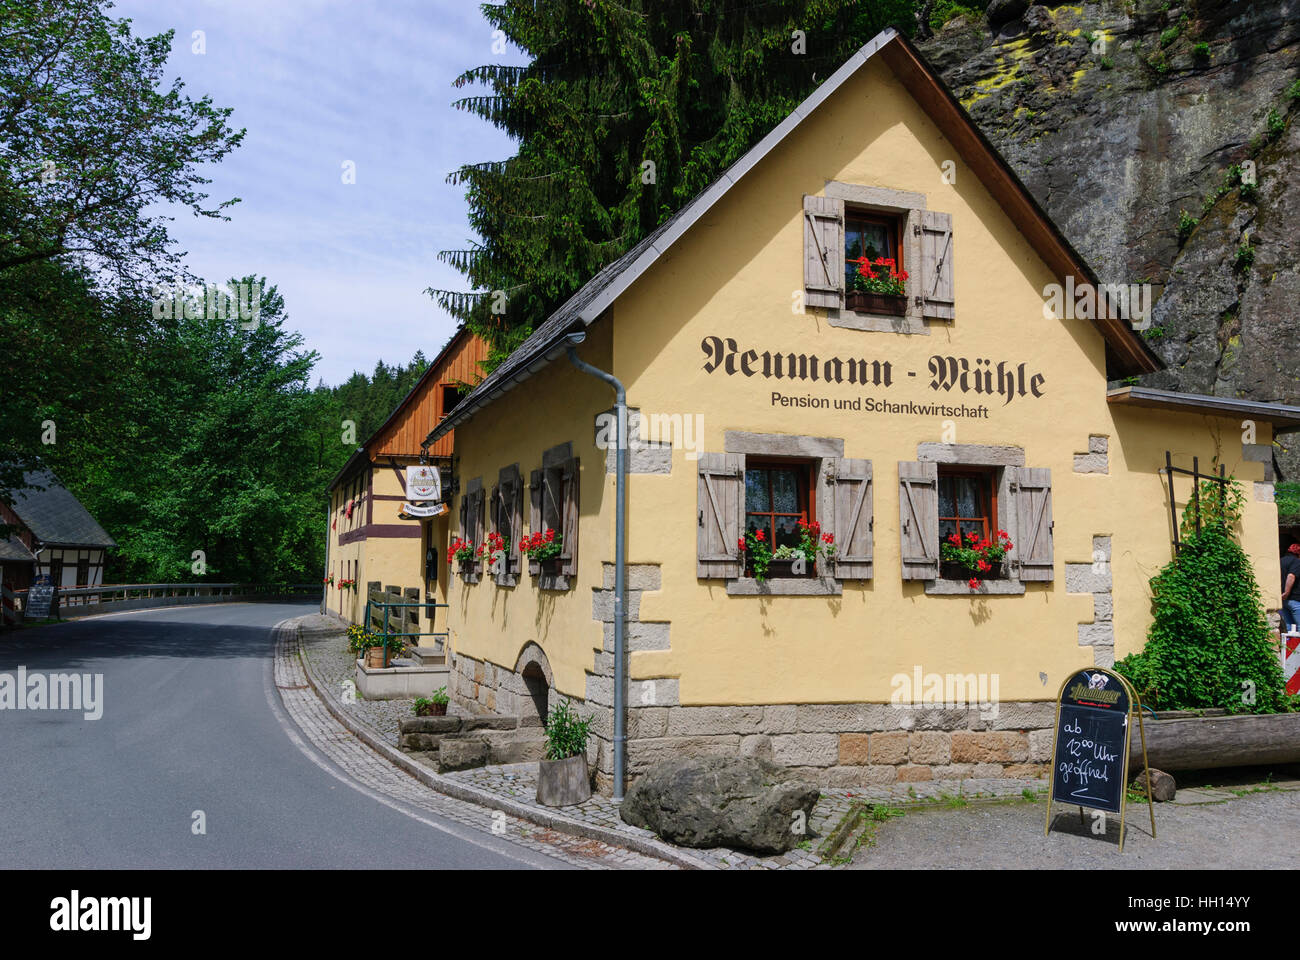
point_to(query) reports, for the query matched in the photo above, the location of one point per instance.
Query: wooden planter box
(782, 570)
(860, 302)
(1194, 743)
(955, 571)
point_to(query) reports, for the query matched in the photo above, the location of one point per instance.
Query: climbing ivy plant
(1210, 643)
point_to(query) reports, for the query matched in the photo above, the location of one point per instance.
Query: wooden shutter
(513, 505)
(720, 517)
(823, 251)
(852, 518)
(918, 528)
(1032, 489)
(935, 294)
(571, 480)
(535, 514)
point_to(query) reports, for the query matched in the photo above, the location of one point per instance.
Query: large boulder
(741, 802)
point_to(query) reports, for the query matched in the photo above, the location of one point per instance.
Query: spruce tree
(625, 111)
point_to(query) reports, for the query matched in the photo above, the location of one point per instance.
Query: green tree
(92, 140)
(625, 111)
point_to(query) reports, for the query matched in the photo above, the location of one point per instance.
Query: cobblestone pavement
(1237, 821)
(325, 646)
(372, 771)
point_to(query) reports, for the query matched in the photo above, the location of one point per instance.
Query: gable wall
(733, 275)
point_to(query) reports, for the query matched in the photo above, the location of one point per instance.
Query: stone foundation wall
(846, 745)
(834, 745)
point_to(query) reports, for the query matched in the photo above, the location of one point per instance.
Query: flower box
(860, 301)
(784, 570)
(957, 571)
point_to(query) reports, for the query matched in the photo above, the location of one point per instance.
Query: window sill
(877, 323)
(989, 588)
(785, 587)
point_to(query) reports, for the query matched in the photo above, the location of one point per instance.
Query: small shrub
(1169, 36)
(566, 732)
(1244, 257)
(1107, 63)
(1287, 496)
(1186, 224)
(1201, 51)
(1275, 124)
(1293, 91)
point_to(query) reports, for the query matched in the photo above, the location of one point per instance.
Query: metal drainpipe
(620, 557)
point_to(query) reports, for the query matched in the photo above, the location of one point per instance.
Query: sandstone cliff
(1125, 119)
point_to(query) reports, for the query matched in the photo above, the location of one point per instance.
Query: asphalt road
(192, 722)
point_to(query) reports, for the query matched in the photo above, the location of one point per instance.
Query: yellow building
(371, 537)
(767, 391)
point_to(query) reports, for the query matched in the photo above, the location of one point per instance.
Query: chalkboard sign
(1090, 745)
(39, 598)
(1090, 759)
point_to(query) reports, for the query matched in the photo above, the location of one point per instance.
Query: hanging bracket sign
(1091, 743)
(410, 510)
(423, 483)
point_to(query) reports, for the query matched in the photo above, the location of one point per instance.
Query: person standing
(1291, 588)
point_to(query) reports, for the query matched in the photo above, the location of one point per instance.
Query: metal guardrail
(69, 597)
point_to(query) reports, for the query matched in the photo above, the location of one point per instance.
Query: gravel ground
(1206, 828)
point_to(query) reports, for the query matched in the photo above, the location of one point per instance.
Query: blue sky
(317, 83)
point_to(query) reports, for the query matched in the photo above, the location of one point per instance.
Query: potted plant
(976, 557)
(563, 778)
(370, 645)
(462, 552)
(878, 287)
(434, 705)
(544, 547)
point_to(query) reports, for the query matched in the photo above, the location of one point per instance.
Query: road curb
(485, 798)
